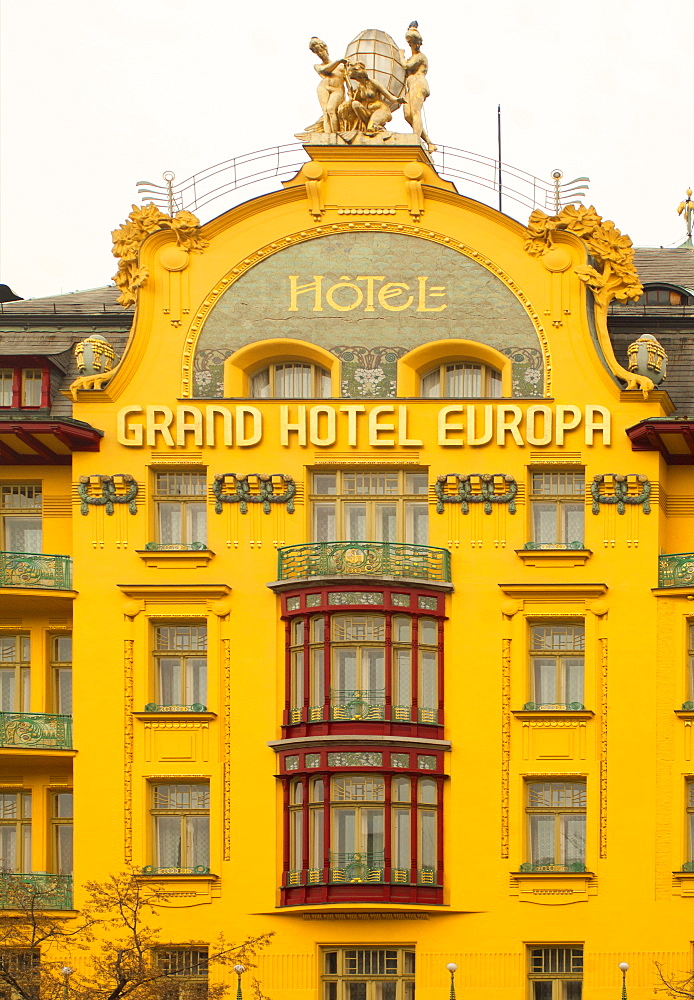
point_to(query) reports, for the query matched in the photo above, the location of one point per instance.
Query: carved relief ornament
(465, 492)
(611, 274)
(243, 495)
(127, 240)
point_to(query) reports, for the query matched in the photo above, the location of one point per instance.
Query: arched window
(291, 380)
(460, 380)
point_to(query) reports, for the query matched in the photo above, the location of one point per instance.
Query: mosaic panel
(399, 760)
(427, 603)
(478, 307)
(400, 600)
(355, 597)
(355, 760)
(293, 603)
(312, 760)
(426, 763)
(291, 763)
(313, 600)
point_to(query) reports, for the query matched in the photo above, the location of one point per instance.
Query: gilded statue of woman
(331, 89)
(416, 85)
(370, 104)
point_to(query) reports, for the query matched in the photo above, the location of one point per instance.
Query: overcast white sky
(98, 94)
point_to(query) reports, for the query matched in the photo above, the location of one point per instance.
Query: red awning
(45, 442)
(674, 439)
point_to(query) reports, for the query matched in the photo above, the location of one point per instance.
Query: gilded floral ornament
(610, 275)
(127, 240)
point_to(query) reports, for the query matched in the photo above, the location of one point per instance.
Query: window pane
(573, 679)
(402, 677)
(260, 384)
(542, 839)
(198, 837)
(324, 522)
(170, 523)
(372, 831)
(23, 534)
(296, 835)
(196, 681)
(545, 523)
(64, 849)
(170, 691)
(372, 669)
(427, 838)
(431, 384)
(64, 691)
(196, 527)
(428, 696)
(417, 518)
(402, 851)
(316, 848)
(169, 844)
(573, 522)
(345, 669)
(6, 382)
(345, 830)
(545, 680)
(417, 483)
(542, 989)
(355, 522)
(428, 631)
(32, 380)
(573, 835)
(386, 522)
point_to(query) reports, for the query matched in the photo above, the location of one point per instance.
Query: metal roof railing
(478, 174)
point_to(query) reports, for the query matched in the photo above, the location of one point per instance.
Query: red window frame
(306, 603)
(19, 365)
(314, 886)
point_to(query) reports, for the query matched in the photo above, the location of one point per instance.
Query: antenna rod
(498, 136)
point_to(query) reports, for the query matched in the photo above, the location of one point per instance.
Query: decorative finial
(686, 208)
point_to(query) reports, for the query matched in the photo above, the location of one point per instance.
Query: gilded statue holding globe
(359, 92)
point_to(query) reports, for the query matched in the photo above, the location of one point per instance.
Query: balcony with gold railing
(364, 559)
(35, 571)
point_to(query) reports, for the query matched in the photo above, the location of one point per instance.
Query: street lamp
(624, 967)
(239, 970)
(452, 968)
(66, 972)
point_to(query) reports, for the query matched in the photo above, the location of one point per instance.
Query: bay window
(365, 667)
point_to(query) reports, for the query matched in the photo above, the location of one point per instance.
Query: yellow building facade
(373, 642)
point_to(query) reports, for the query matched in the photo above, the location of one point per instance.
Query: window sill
(553, 888)
(175, 558)
(554, 557)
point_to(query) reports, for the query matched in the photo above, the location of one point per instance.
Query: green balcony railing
(570, 706)
(196, 870)
(421, 562)
(197, 706)
(175, 547)
(549, 866)
(26, 730)
(676, 570)
(36, 891)
(35, 570)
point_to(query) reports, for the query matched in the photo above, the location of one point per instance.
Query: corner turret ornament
(359, 92)
(648, 357)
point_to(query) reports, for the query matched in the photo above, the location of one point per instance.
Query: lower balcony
(35, 571)
(32, 731)
(356, 558)
(359, 878)
(550, 867)
(35, 891)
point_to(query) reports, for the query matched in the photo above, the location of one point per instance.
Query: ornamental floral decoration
(243, 492)
(142, 221)
(483, 491)
(109, 492)
(620, 493)
(610, 274)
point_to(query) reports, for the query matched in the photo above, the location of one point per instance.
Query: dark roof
(92, 301)
(659, 264)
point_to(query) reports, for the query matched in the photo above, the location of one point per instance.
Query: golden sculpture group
(353, 101)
